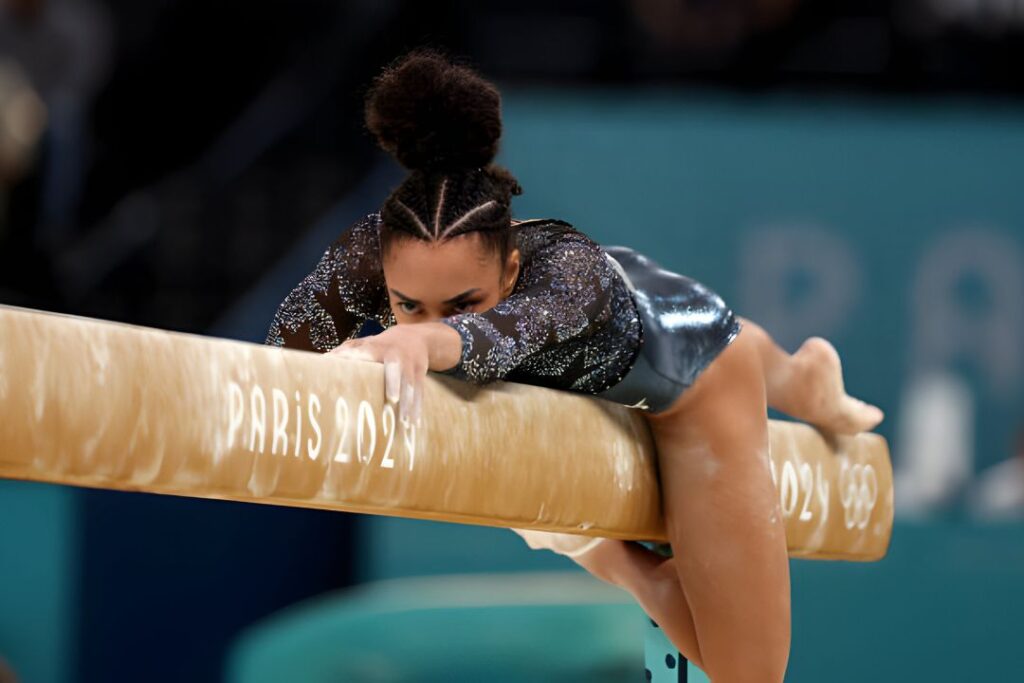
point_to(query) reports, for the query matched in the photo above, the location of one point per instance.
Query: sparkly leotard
(577, 319)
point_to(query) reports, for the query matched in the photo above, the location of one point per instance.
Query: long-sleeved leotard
(570, 322)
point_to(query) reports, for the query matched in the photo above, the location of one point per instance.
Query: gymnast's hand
(407, 352)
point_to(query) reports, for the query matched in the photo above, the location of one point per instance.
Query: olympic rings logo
(804, 491)
(858, 493)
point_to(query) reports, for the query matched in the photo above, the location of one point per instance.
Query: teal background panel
(498, 629)
(38, 578)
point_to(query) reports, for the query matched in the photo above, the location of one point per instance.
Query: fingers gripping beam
(105, 405)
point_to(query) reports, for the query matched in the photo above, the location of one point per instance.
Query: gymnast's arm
(345, 289)
(563, 293)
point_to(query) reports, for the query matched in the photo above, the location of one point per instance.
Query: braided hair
(442, 121)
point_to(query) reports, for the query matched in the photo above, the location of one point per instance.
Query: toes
(873, 416)
(855, 416)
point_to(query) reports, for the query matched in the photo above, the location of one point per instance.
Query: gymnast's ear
(510, 273)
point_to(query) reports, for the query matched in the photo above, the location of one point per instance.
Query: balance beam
(113, 406)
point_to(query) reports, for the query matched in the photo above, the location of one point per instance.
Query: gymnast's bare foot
(817, 394)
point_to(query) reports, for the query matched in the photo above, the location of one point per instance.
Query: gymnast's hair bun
(433, 115)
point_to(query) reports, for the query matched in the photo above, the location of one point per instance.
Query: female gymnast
(538, 302)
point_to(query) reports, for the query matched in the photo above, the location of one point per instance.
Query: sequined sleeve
(344, 290)
(562, 294)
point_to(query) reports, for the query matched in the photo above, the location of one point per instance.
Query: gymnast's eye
(464, 307)
(407, 307)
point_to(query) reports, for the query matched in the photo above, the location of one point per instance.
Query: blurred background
(847, 169)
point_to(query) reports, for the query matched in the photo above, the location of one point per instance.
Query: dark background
(191, 142)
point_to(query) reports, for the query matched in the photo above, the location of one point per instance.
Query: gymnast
(462, 289)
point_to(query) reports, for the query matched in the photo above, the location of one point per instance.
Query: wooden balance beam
(105, 405)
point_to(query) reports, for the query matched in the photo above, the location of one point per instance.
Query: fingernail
(392, 382)
(408, 402)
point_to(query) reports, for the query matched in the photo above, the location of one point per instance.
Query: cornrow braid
(442, 121)
(436, 207)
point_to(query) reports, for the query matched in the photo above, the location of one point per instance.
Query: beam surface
(107, 405)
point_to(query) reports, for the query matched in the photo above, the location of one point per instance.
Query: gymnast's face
(428, 281)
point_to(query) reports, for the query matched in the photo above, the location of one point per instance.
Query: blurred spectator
(64, 47)
(935, 441)
(989, 17)
(999, 492)
(708, 27)
(22, 120)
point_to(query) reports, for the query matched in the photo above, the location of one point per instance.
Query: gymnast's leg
(650, 578)
(653, 582)
(808, 385)
(723, 519)
(721, 506)
(730, 577)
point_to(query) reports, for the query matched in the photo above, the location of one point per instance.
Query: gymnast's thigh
(730, 389)
(713, 440)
